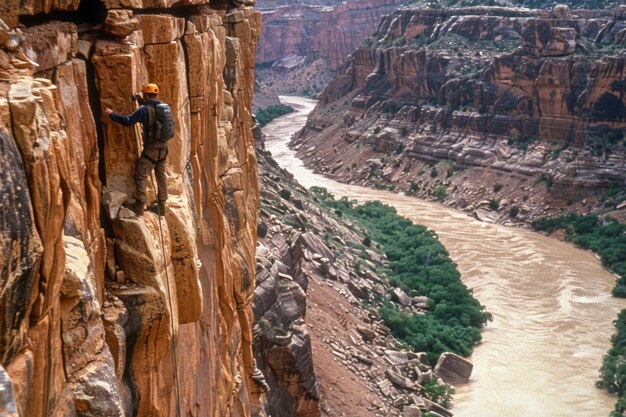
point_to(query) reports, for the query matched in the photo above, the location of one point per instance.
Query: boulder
(401, 297)
(411, 411)
(366, 333)
(396, 357)
(453, 369)
(313, 244)
(360, 288)
(400, 381)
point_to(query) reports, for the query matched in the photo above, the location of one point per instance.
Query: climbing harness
(138, 143)
(144, 154)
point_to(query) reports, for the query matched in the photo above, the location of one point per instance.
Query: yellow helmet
(150, 89)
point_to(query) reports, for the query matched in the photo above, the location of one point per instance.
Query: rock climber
(154, 150)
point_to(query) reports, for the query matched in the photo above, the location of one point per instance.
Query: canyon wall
(327, 32)
(522, 107)
(105, 313)
(304, 45)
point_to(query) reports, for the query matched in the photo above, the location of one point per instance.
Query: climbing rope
(138, 144)
(169, 297)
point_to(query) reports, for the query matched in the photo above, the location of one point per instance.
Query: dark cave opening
(89, 11)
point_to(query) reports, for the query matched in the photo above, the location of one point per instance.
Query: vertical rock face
(315, 39)
(95, 300)
(330, 33)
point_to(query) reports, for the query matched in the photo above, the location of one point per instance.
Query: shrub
(261, 230)
(497, 187)
(440, 192)
(404, 131)
(377, 130)
(434, 172)
(494, 205)
(613, 370)
(521, 142)
(367, 241)
(439, 393)
(557, 151)
(513, 211)
(323, 269)
(285, 193)
(543, 179)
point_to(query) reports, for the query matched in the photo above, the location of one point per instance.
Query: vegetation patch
(613, 370)
(439, 393)
(521, 142)
(267, 114)
(440, 192)
(418, 264)
(261, 229)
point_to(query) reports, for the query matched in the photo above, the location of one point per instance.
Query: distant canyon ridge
(304, 46)
(507, 113)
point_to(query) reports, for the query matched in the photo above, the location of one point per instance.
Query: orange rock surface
(95, 299)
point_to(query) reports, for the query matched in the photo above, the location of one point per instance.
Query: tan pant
(149, 159)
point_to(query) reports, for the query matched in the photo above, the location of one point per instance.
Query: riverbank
(552, 324)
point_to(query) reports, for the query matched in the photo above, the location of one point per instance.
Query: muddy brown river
(551, 302)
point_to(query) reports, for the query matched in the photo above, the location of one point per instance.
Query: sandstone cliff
(303, 46)
(93, 298)
(505, 112)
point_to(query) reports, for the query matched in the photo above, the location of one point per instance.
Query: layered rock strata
(94, 298)
(315, 341)
(508, 113)
(306, 45)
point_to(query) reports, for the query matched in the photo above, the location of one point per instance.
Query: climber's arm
(138, 116)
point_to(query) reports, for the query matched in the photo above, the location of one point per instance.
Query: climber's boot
(137, 207)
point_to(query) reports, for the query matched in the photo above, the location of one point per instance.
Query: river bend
(551, 302)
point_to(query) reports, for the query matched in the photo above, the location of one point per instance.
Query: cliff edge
(93, 298)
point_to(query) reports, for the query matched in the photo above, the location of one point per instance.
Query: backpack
(160, 123)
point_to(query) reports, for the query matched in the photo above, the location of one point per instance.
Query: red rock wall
(93, 296)
(525, 84)
(330, 33)
(523, 96)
